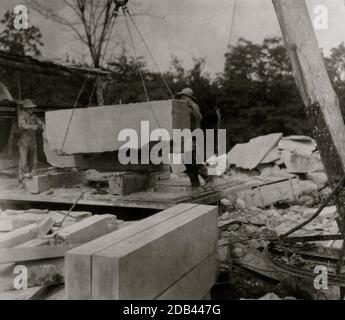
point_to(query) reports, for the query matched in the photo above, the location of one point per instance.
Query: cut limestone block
(20, 255)
(11, 223)
(124, 183)
(8, 224)
(145, 265)
(79, 260)
(22, 235)
(16, 219)
(300, 163)
(249, 155)
(97, 129)
(195, 284)
(40, 183)
(51, 271)
(81, 232)
(88, 229)
(270, 191)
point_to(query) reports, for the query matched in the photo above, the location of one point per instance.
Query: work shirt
(190, 146)
(28, 126)
(196, 116)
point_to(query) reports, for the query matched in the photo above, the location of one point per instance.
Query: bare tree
(89, 20)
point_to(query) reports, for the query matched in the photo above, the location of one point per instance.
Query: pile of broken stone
(246, 230)
(278, 155)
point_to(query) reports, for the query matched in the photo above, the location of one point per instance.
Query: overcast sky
(197, 28)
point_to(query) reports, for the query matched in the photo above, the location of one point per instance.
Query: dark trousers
(195, 170)
(27, 157)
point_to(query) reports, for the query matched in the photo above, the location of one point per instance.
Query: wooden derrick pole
(320, 100)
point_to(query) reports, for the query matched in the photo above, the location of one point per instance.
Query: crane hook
(118, 5)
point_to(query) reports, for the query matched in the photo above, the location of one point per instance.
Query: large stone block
(96, 129)
(79, 260)
(147, 264)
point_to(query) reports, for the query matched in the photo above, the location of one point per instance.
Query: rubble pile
(297, 155)
(291, 165)
(246, 232)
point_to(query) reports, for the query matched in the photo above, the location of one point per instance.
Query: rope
(139, 70)
(72, 114)
(136, 57)
(151, 55)
(82, 89)
(102, 60)
(232, 23)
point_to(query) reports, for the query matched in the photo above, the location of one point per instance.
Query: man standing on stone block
(194, 170)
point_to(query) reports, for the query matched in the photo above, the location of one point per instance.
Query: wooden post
(99, 92)
(320, 100)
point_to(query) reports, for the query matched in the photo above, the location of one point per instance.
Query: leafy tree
(335, 65)
(20, 41)
(258, 92)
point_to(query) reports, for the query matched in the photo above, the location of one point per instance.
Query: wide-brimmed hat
(27, 104)
(188, 92)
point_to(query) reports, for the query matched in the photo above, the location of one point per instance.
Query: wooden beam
(25, 64)
(310, 72)
(320, 100)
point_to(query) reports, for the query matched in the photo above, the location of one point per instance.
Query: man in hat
(28, 125)
(194, 170)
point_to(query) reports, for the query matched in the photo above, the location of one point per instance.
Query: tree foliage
(256, 92)
(20, 41)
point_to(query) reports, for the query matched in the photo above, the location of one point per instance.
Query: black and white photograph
(190, 152)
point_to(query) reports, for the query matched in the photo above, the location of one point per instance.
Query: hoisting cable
(136, 57)
(83, 86)
(233, 18)
(139, 69)
(151, 54)
(102, 59)
(72, 114)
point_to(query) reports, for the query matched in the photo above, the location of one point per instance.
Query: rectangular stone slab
(124, 183)
(96, 129)
(195, 284)
(79, 261)
(145, 265)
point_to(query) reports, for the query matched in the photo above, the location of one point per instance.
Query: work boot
(209, 180)
(21, 184)
(195, 182)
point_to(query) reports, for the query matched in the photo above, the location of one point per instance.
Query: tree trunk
(99, 92)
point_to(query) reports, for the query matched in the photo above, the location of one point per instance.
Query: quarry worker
(28, 125)
(194, 170)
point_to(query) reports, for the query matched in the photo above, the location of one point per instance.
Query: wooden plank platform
(164, 197)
